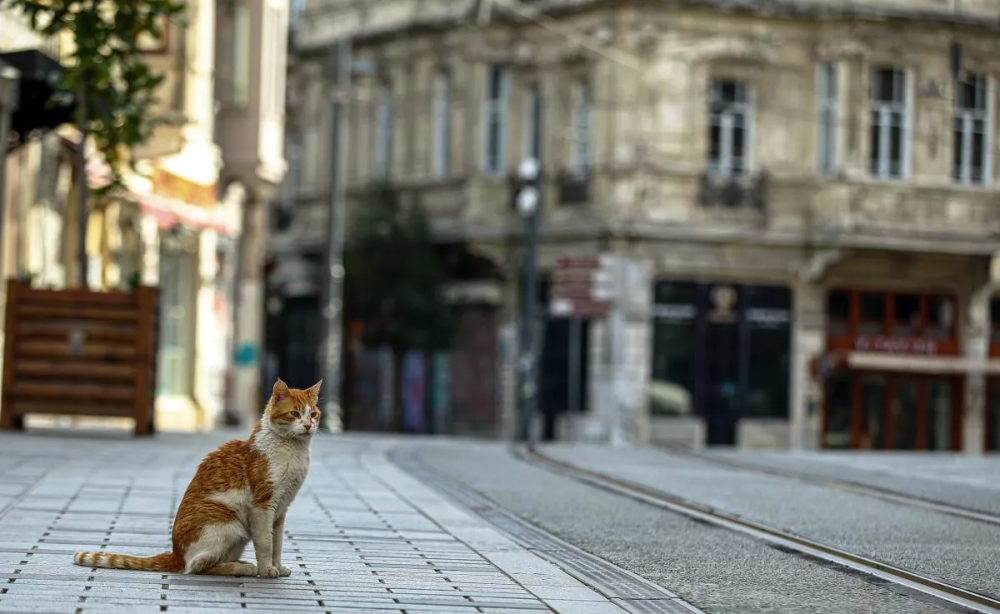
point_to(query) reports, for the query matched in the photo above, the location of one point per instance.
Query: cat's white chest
(288, 465)
(288, 470)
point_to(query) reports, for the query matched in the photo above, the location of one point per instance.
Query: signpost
(582, 287)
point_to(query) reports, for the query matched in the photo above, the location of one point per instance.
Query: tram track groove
(867, 490)
(939, 589)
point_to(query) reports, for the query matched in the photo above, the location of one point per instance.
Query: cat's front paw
(269, 572)
(283, 571)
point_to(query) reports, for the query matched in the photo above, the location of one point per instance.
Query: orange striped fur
(239, 495)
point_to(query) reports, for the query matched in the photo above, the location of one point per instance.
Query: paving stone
(362, 537)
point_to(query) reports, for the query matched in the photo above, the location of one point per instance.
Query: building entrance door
(722, 366)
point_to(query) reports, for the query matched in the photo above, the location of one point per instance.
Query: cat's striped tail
(161, 562)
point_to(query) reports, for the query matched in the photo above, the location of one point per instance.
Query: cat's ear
(313, 391)
(280, 391)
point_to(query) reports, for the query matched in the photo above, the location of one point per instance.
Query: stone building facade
(804, 192)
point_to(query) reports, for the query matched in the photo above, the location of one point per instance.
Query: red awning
(169, 212)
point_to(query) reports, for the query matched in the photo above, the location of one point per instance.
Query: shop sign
(900, 345)
(768, 318)
(675, 312)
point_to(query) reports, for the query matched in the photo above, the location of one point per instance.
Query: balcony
(574, 187)
(908, 216)
(743, 192)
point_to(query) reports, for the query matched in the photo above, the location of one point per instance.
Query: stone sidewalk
(362, 536)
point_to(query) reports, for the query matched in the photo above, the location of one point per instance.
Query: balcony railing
(574, 187)
(743, 192)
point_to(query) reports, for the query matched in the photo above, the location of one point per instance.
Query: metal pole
(529, 360)
(81, 185)
(333, 309)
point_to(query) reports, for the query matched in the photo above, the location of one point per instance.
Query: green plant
(107, 66)
(395, 280)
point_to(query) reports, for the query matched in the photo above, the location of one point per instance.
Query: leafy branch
(107, 66)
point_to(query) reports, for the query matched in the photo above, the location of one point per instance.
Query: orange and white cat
(239, 494)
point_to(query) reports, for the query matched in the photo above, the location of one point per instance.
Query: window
(442, 125)
(826, 109)
(533, 123)
(906, 316)
(730, 127)
(581, 117)
(872, 314)
(995, 320)
(889, 124)
(838, 310)
(497, 87)
(239, 59)
(972, 131)
(837, 434)
(937, 421)
(940, 317)
(769, 337)
(674, 341)
(295, 10)
(383, 130)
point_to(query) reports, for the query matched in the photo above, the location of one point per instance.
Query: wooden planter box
(78, 352)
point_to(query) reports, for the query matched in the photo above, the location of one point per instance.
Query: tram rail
(867, 490)
(933, 587)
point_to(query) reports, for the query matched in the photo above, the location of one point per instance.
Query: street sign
(581, 288)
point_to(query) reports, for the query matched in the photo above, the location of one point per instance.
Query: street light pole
(528, 201)
(333, 309)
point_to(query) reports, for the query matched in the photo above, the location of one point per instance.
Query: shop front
(991, 423)
(893, 375)
(720, 352)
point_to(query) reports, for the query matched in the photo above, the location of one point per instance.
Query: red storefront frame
(991, 444)
(853, 340)
(845, 335)
(892, 378)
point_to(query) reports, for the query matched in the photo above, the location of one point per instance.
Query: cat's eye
(296, 414)
(316, 415)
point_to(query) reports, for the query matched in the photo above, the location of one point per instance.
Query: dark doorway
(564, 378)
(296, 341)
(722, 364)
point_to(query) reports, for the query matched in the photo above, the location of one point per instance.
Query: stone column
(975, 341)
(247, 391)
(808, 342)
(210, 342)
(628, 346)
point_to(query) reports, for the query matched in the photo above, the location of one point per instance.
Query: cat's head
(293, 412)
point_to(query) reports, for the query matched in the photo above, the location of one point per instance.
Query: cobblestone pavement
(363, 536)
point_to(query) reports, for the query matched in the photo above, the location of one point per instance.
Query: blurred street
(394, 524)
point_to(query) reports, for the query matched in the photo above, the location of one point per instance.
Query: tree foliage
(107, 64)
(395, 281)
